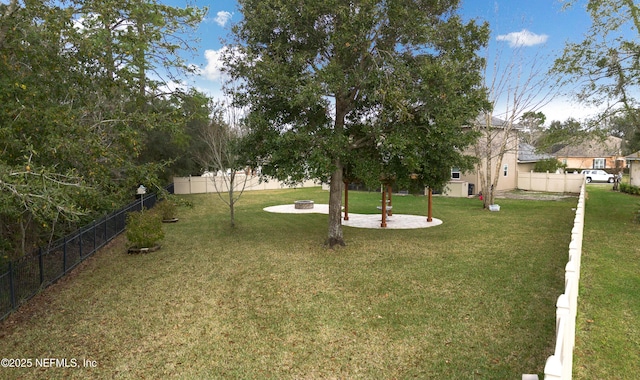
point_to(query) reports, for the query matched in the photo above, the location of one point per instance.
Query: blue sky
(538, 28)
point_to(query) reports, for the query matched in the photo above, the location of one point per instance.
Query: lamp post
(141, 192)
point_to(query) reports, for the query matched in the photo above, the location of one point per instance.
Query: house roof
(634, 156)
(496, 122)
(527, 153)
(592, 148)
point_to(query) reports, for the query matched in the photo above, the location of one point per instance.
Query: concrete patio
(397, 221)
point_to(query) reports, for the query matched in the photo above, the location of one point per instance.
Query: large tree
(532, 124)
(377, 87)
(186, 114)
(605, 65)
(560, 134)
(624, 125)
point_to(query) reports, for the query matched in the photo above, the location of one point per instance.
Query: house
(527, 157)
(633, 162)
(593, 154)
(463, 184)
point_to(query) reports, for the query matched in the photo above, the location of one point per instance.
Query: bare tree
(221, 156)
(520, 87)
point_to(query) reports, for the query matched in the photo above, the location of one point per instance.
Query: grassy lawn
(473, 298)
(608, 326)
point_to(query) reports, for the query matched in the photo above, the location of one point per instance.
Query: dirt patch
(534, 195)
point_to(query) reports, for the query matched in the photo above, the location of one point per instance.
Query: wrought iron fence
(25, 277)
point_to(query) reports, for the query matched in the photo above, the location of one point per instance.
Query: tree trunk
(485, 179)
(337, 185)
(335, 208)
(232, 181)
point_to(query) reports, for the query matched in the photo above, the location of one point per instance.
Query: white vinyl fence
(210, 184)
(559, 366)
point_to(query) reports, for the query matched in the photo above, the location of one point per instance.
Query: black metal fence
(25, 277)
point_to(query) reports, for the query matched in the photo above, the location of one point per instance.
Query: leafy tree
(71, 126)
(532, 124)
(624, 126)
(129, 39)
(633, 145)
(189, 113)
(560, 134)
(608, 57)
(376, 87)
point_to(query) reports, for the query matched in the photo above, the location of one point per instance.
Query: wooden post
(346, 200)
(384, 208)
(429, 211)
(390, 191)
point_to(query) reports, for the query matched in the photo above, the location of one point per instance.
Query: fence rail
(25, 277)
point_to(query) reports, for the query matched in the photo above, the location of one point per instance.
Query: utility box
(457, 189)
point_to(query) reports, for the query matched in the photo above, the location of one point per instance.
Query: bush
(167, 209)
(550, 165)
(144, 229)
(629, 189)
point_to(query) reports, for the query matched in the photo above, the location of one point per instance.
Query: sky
(537, 28)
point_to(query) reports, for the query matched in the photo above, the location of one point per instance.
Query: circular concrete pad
(397, 221)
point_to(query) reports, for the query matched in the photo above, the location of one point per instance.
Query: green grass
(608, 322)
(473, 298)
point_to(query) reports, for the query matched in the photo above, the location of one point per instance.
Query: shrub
(144, 229)
(629, 189)
(167, 209)
(624, 188)
(550, 165)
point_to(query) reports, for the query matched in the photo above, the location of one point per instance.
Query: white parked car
(597, 176)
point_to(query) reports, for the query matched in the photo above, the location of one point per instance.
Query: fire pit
(303, 205)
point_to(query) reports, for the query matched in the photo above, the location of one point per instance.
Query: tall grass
(471, 298)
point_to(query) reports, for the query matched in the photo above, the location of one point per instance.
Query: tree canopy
(624, 125)
(369, 88)
(80, 94)
(605, 64)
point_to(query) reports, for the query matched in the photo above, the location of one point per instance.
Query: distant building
(470, 182)
(593, 154)
(633, 161)
(527, 157)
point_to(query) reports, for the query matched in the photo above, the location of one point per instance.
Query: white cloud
(215, 65)
(222, 18)
(523, 38)
(213, 69)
